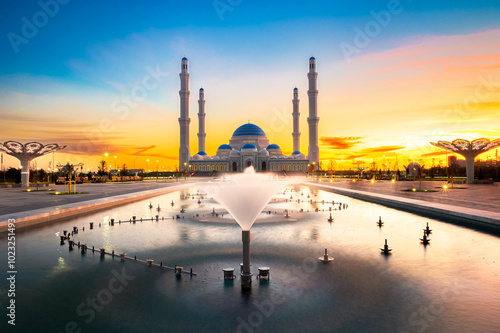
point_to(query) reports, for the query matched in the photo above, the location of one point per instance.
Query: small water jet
(386, 249)
(425, 240)
(427, 230)
(380, 223)
(330, 219)
(244, 196)
(325, 258)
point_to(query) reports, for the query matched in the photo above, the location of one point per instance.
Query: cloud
(436, 153)
(381, 149)
(340, 142)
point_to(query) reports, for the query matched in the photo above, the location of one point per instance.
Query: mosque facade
(249, 145)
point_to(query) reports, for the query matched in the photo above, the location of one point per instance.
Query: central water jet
(244, 196)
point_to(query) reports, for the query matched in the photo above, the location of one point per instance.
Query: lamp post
(157, 170)
(115, 162)
(147, 165)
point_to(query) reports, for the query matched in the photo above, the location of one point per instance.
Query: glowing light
(414, 189)
(393, 180)
(373, 181)
(445, 187)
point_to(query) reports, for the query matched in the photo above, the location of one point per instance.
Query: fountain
(424, 239)
(386, 249)
(380, 223)
(427, 230)
(244, 196)
(326, 259)
(330, 219)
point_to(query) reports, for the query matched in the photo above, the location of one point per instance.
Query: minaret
(184, 118)
(201, 121)
(313, 119)
(296, 115)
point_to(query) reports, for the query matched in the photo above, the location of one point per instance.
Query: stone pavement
(14, 200)
(477, 196)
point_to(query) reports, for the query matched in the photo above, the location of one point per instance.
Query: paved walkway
(475, 196)
(14, 200)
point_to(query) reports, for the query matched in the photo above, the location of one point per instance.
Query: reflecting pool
(450, 285)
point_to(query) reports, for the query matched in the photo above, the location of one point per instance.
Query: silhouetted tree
(102, 168)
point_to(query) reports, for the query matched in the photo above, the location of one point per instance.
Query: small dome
(295, 88)
(299, 156)
(248, 146)
(234, 152)
(273, 146)
(312, 58)
(184, 58)
(202, 153)
(216, 158)
(202, 89)
(224, 158)
(274, 157)
(296, 152)
(249, 130)
(263, 152)
(197, 157)
(224, 146)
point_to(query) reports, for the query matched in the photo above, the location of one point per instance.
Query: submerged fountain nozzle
(326, 259)
(380, 223)
(386, 249)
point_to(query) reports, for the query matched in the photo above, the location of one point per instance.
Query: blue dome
(295, 88)
(224, 146)
(312, 58)
(249, 146)
(296, 152)
(202, 89)
(202, 153)
(249, 129)
(184, 58)
(273, 146)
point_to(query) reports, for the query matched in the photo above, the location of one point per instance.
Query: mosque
(249, 145)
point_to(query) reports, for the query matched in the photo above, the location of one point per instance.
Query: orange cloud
(340, 142)
(381, 149)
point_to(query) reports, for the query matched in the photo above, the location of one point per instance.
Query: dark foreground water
(451, 285)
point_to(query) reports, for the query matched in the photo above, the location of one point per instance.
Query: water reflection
(459, 272)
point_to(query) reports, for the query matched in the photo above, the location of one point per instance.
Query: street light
(115, 162)
(157, 170)
(147, 165)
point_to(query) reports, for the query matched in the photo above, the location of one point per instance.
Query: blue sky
(248, 59)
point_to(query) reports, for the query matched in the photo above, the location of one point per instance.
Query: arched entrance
(235, 166)
(249, 163)
(264, 166)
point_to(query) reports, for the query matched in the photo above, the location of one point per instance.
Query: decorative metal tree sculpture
(469, 150)
(26, 153)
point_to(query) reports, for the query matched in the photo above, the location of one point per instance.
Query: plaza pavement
(474, 205)
(481, 201)
(31, 208)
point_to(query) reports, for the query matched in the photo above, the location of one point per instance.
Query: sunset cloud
(340, 142)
